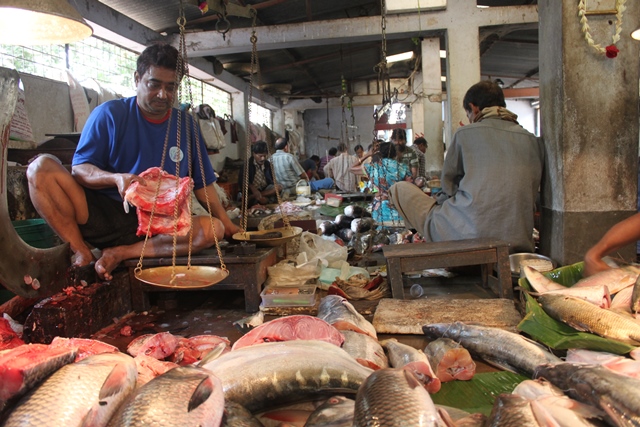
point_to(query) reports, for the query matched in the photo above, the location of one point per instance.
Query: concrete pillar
(240, 109)
(432, 104)
(463, 63)
(589, 117)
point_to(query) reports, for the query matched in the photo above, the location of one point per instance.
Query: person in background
(310, 167)
(405, 155)
(289, 171)
(419, 147)
(326, 159)
(261, 187)
(383, 171)
(339, 168)
(623, 233)
(121, 139)
(359, 150)
(490, 179)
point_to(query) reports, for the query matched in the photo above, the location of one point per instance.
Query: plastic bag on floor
(286, 273)
(314, 248)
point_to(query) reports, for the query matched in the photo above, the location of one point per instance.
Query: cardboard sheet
(395, 316)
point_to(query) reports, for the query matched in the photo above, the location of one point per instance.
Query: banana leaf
(557, 335)
(479, 393)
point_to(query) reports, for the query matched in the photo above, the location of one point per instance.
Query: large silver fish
(511, 410)
(585, 316)
(617, 395)
(183, 396)
(394, 398)
(264, 375)
(84, 393)
(502, 348)
(23, 367)
(337, 411)
(340, 313)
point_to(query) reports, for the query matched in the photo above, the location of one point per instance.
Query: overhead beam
(364, 29)
(111, 25)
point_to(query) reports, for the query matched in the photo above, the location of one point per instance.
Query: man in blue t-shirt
(121, 139)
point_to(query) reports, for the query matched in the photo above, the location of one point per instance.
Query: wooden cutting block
(394, 316)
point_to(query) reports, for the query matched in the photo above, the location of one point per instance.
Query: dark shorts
(108, 224)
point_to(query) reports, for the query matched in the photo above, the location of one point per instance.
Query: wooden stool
(453, 253)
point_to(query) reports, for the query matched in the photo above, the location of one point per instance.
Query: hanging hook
(223, 29)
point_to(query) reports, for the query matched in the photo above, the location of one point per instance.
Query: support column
(432, 105)
(589, 117)
(240, 109)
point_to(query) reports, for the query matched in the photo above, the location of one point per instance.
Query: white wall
(526, 113)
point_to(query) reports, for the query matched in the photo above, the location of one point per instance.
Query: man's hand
(230, 229)
(124, 180)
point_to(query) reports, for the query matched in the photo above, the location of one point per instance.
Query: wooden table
(246, 272)
(453, 253)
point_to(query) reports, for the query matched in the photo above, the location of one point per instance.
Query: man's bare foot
(108, 261)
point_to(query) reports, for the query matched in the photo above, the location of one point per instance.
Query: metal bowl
(516, 259)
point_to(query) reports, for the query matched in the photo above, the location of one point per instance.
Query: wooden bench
(454, 253)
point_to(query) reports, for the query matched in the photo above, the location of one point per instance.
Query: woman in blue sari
(384, 171)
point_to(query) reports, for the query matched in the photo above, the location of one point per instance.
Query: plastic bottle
(416, 290)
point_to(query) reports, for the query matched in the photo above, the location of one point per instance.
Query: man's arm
(217, 210)
(93, 177)
(621, 234)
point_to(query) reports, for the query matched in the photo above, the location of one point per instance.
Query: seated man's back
(502, 165)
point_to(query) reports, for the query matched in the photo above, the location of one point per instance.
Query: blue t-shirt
(118, 138)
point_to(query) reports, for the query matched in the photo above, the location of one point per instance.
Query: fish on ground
(149, 368)
(617, 395)
(157, 346)
(507, 350)
(336, 411)
(340, 313)
(616, 363)
(271, 374)
(295, 327)
(596, 295)
(403, 356)
(86, 347)
(235, 415)
(183, 396)
(394, 398)
(616, 279)
(365, 350)
(85, 393)
(552, 407)
(449, 360)
(21, 368)
(586, 317)
(539, 282)
(511, 410)
(193, 349)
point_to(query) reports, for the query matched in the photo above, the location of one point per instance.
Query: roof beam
(363, 29)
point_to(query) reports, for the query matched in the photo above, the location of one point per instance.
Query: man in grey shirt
(490, 179)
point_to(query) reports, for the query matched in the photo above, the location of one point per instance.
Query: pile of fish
(313, 371)
(606, 304)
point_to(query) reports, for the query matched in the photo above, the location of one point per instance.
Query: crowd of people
(123, 138)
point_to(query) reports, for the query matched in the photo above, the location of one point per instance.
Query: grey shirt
(491, 177)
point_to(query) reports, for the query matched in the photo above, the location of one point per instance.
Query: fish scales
(511, 410)
(68, 395)
(584, 316)
(259, 376)
(506, 349)
(183, 396)
(394, 398)
(617, 395)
